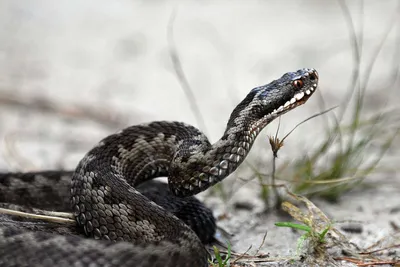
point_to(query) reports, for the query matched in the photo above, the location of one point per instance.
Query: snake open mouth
(298, 99)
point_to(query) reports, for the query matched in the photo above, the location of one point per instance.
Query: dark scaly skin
(107, 206)
(49, 191)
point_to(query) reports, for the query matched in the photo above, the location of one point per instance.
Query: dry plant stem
(57, 217)
(328, 182)
(377, 243)
(370, 263)
(262, 243)
(245, 254)
(396, 62)
(356, 57)
(379, 250)
(363, 86)
(103, 117)
(370, 66)
(240, 256)
(278, 199)
(309, 118)
(277, 146)
(180, 74)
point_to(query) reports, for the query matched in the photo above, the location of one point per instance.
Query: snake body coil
(107, 205)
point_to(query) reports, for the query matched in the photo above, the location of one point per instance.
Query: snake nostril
(313, 76)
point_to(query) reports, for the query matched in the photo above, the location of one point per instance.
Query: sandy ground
(113, 58)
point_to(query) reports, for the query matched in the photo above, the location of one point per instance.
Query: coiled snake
(107, 205)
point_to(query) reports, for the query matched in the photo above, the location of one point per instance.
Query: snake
(123, 227)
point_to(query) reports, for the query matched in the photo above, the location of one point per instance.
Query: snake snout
(295, 89)
(314, 75)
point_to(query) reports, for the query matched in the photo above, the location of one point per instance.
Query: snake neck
(193, 171)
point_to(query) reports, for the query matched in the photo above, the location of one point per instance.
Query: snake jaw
(288, 92)
(297, 100)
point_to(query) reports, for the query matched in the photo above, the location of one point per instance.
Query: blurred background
(115, 57)
(72, 72)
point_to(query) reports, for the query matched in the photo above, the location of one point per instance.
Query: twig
(276, 144)
(363, 263)
(375, 55)
(379, 250)
(58, 217)
(356, 57)
(262, 243)
(309, 118)
(181, 74)
(242, 255)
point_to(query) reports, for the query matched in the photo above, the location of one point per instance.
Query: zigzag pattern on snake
(133, 230)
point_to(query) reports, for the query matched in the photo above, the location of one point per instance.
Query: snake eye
(298, 84)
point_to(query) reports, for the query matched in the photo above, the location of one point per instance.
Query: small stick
(58, 217)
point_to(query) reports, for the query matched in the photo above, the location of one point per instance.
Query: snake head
(289, 91)
(265, 103)
(198, 165)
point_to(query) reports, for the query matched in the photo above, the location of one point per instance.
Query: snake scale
(107, 205)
